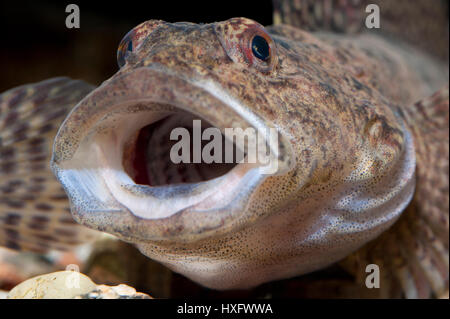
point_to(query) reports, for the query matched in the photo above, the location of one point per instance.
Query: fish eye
(134, 39)
(124, 50)
(248, 43)
(260, 48)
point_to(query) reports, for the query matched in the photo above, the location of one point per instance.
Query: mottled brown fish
(356, 155)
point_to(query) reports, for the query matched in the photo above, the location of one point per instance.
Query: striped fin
(413, 255)
(422, 23)
(34, 210)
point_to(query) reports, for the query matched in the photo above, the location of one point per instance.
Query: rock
(113, 262)
(57, 285)
(114, 292)
(69, 285)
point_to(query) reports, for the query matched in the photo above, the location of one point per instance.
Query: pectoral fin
(414, 254)
(34, 210)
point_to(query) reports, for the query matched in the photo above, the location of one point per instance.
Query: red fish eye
(259, 49)
(125, 48)
(248, 43)
(132, 41)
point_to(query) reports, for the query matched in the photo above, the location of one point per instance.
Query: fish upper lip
(101, 209)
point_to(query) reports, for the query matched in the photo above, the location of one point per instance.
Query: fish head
(168, 69)
(322, 190)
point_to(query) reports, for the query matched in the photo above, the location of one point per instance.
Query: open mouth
(114, 157)
(148, 161)
(129, 154)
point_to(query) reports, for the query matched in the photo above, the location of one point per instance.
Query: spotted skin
(350, 140)
(34, 210)
(415, 250)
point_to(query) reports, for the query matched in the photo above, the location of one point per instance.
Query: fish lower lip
(133, 158)
(96, 161)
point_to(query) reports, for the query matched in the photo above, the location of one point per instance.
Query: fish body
(353, 154)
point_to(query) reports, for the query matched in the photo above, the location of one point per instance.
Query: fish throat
(147, 157)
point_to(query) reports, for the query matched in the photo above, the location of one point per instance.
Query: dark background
(35, 43)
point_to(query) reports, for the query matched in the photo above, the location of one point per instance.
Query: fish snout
(121, 160)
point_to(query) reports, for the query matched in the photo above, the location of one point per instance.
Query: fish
(34, 209)
(361, 151)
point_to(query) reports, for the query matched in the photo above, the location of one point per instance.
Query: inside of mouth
(152, 158)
